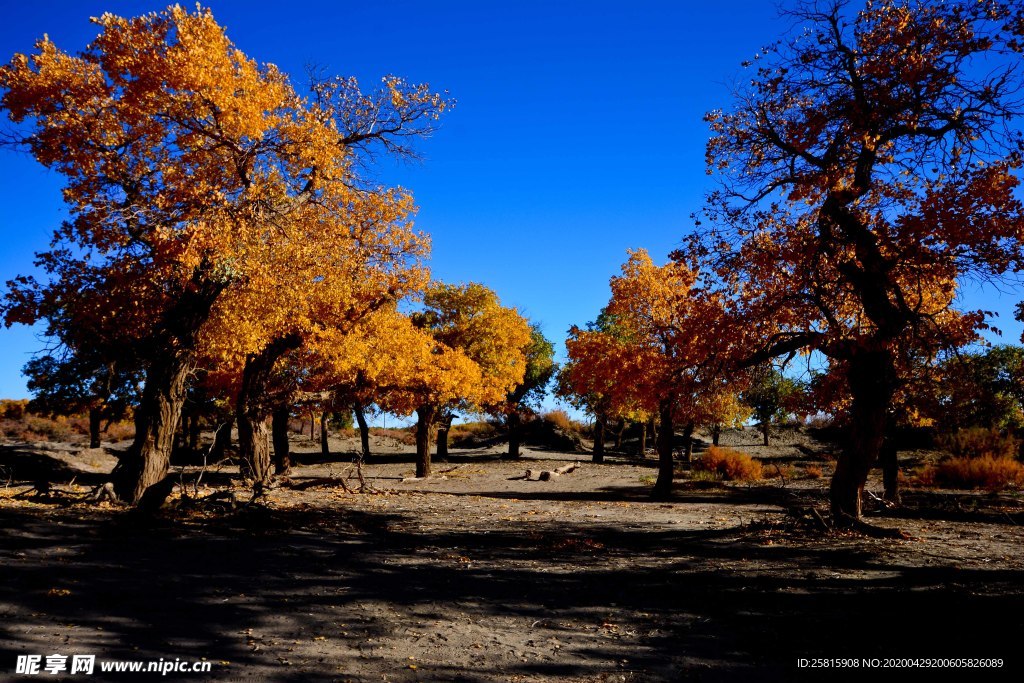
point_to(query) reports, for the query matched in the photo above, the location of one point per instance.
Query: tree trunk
(619, 433)
(766, 430)
(254, 443)
(716, 434)
(652, 429)
(252, 409)
(364, 431)
(600, 422)
(221, 440)
(889, 462)
(312, 426)
(146, 462)
(279, 435)
(688, 441)
(642, 448)
(193, 433)
(872, 380)
(325, 446)
(666, 466)
(514, 434)
(443, 427)
(424, 424)
(95, 422)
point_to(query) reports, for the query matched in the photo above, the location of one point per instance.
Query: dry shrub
(561, 420)
(13, 409)
(812, 472)
(120, 431)
(985, 472)
(979, 442)
(406, 436)
(732, 465)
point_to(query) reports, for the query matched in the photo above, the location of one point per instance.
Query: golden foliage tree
(193, 171)
(866, 169)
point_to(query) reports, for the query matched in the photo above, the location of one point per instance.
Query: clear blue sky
(577, 135)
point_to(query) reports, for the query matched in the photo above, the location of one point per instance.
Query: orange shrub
(977, 442)
(985, 472)
(730, 464)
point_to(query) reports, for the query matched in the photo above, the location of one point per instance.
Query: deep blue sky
(577, 134)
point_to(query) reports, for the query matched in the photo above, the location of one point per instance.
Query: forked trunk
(514, 434)
(666, 466)
(872, 379)
(424, 425)
(600, 422)
(95, 422)
(364, 431)
(279, 436)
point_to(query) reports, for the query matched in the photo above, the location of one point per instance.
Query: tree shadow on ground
(324, 583)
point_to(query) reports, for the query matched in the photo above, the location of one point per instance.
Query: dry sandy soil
(477, 575)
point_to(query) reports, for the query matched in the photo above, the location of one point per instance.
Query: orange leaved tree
(867, 167)
(186, 163)
(662, 349)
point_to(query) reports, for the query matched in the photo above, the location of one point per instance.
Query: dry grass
(730, 464)
(985, 472)
(979, 442)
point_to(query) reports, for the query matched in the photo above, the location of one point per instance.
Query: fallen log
(547, 475)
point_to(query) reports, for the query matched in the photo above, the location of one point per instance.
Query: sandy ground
(477, 575)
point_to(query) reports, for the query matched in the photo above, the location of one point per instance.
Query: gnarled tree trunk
(666, 466)
(279, 435)
(146, 462)
(872, 378)
(424, 425)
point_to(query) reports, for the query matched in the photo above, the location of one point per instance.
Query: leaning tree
(868, 166)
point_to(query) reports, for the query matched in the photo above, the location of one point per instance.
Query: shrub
(812, 472)
(11, 409)
(984, 472)
(732, 465)
(561, 420)
(979, 442)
